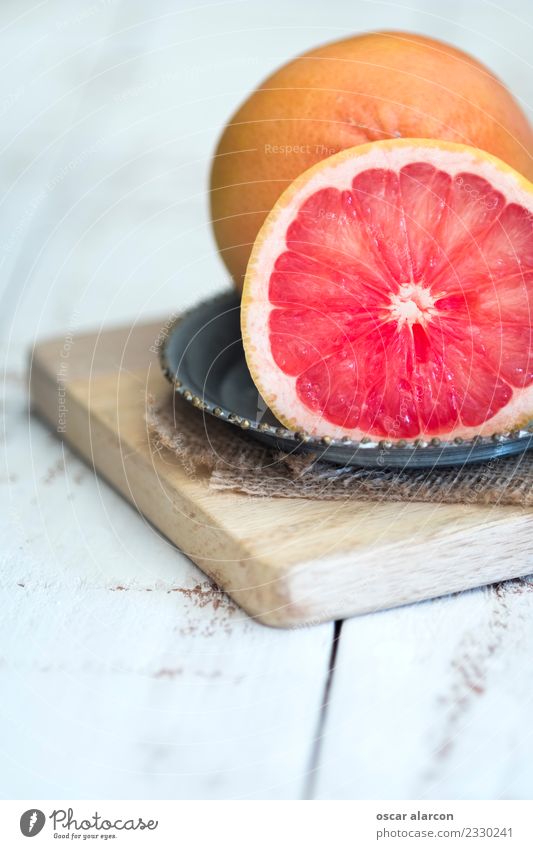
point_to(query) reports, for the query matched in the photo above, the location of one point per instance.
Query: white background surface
(109, 113)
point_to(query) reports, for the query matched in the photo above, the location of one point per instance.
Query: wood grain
(438, 694)
(287, 562)
(124, 672)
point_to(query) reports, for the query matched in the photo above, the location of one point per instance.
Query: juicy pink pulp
(402, 306)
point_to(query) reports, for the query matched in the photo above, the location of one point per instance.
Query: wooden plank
(123, 673)
(91, 707)
(160, 691)
(325, 560)
(439, 700)
(165, 689)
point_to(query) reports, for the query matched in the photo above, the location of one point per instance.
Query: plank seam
(316, 751)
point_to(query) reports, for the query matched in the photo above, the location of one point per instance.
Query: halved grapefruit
(389, 295)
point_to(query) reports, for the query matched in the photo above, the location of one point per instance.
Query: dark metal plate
(203, 357)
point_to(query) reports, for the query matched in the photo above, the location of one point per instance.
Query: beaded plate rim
(300, 438)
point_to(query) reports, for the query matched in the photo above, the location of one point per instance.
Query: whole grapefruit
(369, 87)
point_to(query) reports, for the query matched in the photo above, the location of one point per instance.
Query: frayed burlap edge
(235, 462)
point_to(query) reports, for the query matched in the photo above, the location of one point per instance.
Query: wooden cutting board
(287, 562)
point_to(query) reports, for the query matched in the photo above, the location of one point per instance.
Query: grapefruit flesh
(390, 293)
(369, 87)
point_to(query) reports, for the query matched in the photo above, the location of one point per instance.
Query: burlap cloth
(232, 460)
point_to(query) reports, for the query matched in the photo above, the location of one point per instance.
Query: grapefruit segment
(389, 294)
(424, 193)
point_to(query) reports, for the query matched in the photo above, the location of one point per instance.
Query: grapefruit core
(389, 295)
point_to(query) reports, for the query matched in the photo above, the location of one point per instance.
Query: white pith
(413, 303)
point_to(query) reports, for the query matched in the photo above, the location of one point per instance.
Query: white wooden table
(120, 675)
